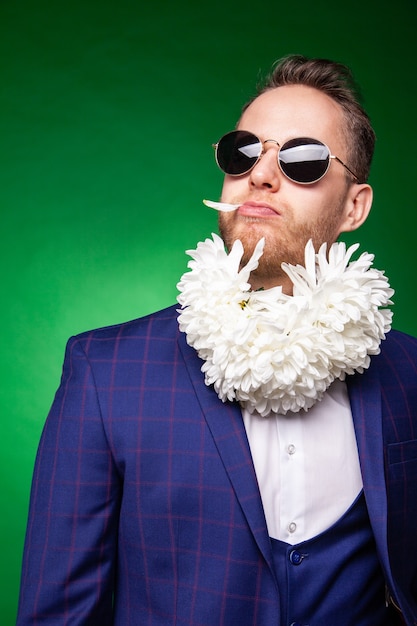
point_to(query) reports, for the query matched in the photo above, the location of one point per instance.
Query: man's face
(286, 213)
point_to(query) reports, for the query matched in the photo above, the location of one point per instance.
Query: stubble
(285, 240)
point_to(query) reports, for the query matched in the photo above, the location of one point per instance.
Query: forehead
(294, 110)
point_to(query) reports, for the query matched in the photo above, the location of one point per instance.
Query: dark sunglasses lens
(237, 152)
(304, 160)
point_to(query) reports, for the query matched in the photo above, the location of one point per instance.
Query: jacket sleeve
(71, 539)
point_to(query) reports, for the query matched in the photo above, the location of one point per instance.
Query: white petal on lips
(221, 206)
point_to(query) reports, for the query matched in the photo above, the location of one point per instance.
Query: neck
(263, 281)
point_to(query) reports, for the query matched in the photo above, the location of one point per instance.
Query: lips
(257, 209)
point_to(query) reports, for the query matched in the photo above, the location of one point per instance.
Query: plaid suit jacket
(145, 507)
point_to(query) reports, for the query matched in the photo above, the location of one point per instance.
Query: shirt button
(291, 449)
(295, 557)
(292, 527)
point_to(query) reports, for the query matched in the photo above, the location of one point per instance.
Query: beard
(285, 240)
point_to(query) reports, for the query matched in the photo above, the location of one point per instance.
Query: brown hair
(335, 80)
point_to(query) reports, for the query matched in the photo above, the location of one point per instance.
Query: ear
(357, 208)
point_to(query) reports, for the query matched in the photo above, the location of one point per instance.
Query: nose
(266, 173)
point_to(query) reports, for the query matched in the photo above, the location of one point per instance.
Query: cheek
(232, 187)
(312, 205)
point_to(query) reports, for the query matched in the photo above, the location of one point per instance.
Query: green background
(107, 115)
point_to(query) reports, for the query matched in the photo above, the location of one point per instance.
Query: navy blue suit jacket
(145, 507)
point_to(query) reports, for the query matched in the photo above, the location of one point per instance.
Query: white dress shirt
(307, 465)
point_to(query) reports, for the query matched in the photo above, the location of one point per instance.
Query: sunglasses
(302, 160)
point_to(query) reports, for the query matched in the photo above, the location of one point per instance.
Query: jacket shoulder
(398, 345)
(396, 364)
(155, 328)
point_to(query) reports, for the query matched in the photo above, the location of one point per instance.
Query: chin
(249, 230)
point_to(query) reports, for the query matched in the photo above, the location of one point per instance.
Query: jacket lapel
(365, 399)
(226, 426)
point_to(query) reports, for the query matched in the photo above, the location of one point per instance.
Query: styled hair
(335, 80)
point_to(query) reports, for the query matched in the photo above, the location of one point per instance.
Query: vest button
(295, 557)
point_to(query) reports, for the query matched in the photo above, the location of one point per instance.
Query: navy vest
(333, 579)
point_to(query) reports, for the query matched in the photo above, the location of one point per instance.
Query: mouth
(257, 209)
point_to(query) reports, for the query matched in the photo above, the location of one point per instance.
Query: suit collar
(365, 400)
(227, 428)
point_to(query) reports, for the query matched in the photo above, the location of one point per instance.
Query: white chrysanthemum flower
(279, 353)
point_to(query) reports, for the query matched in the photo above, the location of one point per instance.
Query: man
(279, 488)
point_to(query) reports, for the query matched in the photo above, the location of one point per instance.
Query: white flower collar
(278, 353)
